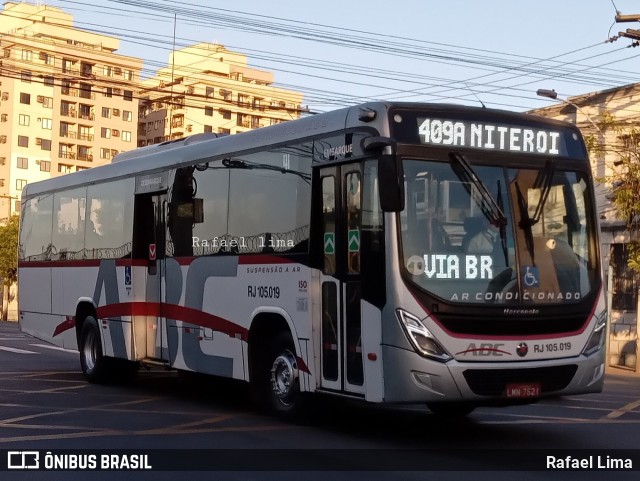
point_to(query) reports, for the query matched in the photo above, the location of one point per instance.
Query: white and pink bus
(390, 252)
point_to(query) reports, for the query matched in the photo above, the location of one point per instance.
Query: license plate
(523, 390)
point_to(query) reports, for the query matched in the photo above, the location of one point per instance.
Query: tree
(623, 180)
(8, 259)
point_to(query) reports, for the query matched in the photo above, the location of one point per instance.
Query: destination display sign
(489, 136)
(491, 131)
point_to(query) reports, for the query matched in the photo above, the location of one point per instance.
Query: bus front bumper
(410, 378)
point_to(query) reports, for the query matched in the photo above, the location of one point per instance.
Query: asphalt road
(46, 404)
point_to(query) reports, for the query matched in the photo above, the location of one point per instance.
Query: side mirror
(390, 173)
(390, 183)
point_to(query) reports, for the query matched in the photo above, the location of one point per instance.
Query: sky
(343, 52)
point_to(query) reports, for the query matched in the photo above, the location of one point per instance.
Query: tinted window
(270, 194)
(110, 219)
(35, 229)
(207, 183)
(68, 224)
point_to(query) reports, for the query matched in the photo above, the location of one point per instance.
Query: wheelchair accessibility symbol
(531, 276)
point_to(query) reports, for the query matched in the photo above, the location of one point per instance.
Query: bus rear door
(149, 249)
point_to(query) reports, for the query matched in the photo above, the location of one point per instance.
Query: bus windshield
(495, 234)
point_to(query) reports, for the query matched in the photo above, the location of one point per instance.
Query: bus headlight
(423, 341)
(596, 341)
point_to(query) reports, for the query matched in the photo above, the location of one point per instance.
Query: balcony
(68, 113)
(86, 157)
(69, 134)
(85, 137)
(86, 116)
(67, 155)
(69, 92)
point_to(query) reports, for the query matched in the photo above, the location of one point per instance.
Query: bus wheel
(451, 410)
(284, 393)
(92, 361)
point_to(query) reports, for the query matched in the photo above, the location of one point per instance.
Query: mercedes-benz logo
(522, 349)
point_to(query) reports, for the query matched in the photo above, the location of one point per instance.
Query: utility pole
(631, 33)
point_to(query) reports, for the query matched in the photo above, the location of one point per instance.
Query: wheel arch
(85, 307)
(267, 323)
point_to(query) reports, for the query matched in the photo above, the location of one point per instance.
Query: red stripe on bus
(69, 323)
(264, 259)
(183, 261)
(82, 263)
(173, 311)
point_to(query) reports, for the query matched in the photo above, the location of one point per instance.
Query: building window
(106, 112)
(45, 166)
(23, 163)
(208, 128)
(20, 183)
(107, 71)
(25, 77)
(126, 136)
(27, 55)
(226, 114)
(128, 95)
(25, 98)
(108, 92)
(45, 144)
(23, 141)
(243, 100)
(65, 168)
(625, 287)
(105, 133)
(46, 124)
(225, 94)
(208, 111)
(23, 119)
(105, 153)
(47, 102)
(18, 206)
(85, 91)
(127, 115)
(128, 74)
(222, 131)
(48, 81)
(209, 91)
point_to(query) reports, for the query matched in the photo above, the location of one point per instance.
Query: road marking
(623, 410)
(55, 348)
(16, 351)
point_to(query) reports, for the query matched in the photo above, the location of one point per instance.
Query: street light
(552, 94)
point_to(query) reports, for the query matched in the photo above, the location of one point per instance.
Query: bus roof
(203, 146)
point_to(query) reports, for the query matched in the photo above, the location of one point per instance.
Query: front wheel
(284, 394)
(451, 410)
(92, 361)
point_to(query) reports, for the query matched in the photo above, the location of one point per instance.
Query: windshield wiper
(467, 175)
(525, 222)
(543, 181)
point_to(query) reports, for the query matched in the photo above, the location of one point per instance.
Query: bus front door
(341, 323)
(150, 215)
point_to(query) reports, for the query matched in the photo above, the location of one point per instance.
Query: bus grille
(512, 327)
(493, 382)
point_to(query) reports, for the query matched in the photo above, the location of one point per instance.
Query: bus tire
(284, 396)
(451, 410)
(92, 361)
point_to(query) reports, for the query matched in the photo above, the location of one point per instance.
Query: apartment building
(621, 107)
(207, 88)
(67, 99)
